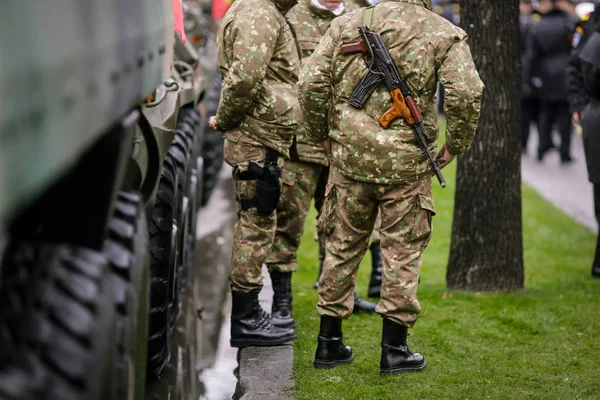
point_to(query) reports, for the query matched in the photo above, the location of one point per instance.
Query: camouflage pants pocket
(421, 221)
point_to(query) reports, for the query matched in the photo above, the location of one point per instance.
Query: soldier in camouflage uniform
(375, 169)
(259, 114)
(310, 20)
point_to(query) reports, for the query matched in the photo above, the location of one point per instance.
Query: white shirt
(337, 11)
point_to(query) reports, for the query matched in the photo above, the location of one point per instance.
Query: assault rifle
(384, 70)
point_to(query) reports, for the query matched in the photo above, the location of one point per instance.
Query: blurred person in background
(530, 102)
(547, 53)
(568, 6)
(584, 97)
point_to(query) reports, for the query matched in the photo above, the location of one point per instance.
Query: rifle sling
(368, 18)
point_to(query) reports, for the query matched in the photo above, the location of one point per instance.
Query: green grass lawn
(543, 343)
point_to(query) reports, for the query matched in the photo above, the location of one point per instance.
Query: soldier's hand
(213, 123)
(444, 157)
(327, 146)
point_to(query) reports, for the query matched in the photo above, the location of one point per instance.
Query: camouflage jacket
(259, 61)
(426, 48)
(310, 24)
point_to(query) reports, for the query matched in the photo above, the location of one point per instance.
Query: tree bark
(486, 250)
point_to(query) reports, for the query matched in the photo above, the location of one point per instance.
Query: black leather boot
(363, 306)
(281, 311)
(596, 271)
(251, 325)
(376, 270)
(396, 358)
(331, 350)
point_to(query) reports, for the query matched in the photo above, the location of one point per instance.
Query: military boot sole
(405, 369)
(323, 364)
(239, 343)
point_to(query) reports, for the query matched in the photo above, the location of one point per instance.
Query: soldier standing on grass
(302, 179)
(375, 169)
(259, 115)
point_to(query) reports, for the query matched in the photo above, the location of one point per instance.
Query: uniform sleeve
(253, 44)
(462, 96)
(316, 87)
(577, 95)
(531, 58)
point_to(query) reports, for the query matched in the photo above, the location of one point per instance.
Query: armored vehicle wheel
(191, 128)
(190, 244)
(58, 318)
(213, 161)
(127, 250)
(181, 155)
(163, 250)
(212, 149)
(17, 384)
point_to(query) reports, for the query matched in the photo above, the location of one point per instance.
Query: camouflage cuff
(225, 123)
(455, 151)
(317, 134)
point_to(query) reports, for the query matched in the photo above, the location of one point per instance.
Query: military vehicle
(102, 171)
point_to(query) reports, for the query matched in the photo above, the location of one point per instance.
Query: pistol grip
(398, 109)
(353, 48)
(255, 168)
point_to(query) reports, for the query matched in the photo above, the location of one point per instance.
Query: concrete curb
(265, 373)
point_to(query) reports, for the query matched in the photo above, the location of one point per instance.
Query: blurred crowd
(550, 29)
(560, 56)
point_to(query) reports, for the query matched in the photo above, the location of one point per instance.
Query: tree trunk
(486, 251)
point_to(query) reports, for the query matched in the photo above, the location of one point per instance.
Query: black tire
(163, 250)
(192, 127)
(212, 150)
(127, 250)
(58, 317)
(180, 153)
(185, 153)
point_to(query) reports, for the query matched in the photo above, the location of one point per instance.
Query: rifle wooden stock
(352, 48)
(398, 109)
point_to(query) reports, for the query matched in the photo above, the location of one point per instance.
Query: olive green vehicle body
(90, 95)
(70, 70)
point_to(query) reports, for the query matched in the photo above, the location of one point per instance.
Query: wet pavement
(565, 186)
(200, 346)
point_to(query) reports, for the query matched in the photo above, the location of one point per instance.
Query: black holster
(268, 187)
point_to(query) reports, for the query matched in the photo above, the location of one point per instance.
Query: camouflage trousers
(347, 219)
(299, 182)
(319, 200)
(254, 233)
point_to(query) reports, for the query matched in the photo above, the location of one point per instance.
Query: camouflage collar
(422, 3)
(319, 12)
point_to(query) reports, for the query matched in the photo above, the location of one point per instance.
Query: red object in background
(219, 8)
(178, 11)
